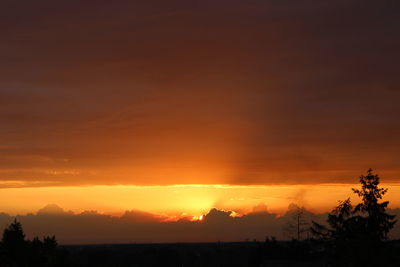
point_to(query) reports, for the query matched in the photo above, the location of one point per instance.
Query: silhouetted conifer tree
(14, 245)
(13, 236)
(378, 222)
(16, 251)
(353, 233)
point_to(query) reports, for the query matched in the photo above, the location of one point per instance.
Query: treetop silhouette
(366, 220)
(378, 222)
(17, 251)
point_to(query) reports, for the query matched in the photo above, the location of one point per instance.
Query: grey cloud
(135, 226)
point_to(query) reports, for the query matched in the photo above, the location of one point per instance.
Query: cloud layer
(90, 227)
(174, 92)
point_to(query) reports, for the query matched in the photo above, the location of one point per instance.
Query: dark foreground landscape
(258, 254)
(255, 253)
(267, 253)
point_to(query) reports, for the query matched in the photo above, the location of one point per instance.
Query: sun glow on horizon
(179, 201)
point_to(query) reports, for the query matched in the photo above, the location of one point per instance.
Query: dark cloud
(260, 91)
(92, 227)
(52, 209)
(141, 217)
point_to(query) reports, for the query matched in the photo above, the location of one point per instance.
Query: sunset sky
(177, 107)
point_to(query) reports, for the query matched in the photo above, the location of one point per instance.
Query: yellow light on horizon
(174, 200)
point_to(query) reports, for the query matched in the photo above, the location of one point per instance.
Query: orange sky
(177, 201)
(108, 105)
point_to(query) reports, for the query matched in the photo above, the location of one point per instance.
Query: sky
(234, 96)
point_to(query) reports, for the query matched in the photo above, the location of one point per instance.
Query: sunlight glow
(181, 201)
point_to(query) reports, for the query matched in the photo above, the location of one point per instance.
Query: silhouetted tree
(355, 232)
(368, 218)
(378, 221)
(14, 246)
(18, 251)
(343, 224)
(13, 236)
(50, 243)
(298, 225)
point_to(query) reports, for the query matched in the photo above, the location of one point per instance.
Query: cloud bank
(90, 227)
